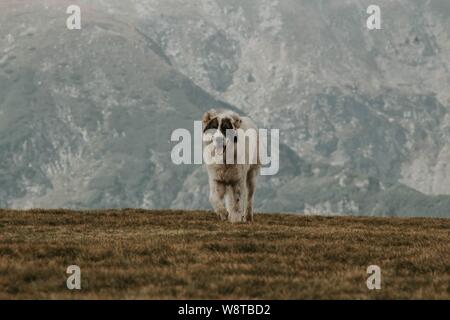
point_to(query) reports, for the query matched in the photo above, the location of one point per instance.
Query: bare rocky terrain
(86, 115)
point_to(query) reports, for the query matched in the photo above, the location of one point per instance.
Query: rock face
(374, 101)
(86, 115)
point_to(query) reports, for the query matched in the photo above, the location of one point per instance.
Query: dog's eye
(226, 125)
(213, 124)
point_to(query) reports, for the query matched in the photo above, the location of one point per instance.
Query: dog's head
(220, 127)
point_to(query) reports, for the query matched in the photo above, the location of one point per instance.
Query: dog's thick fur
(232, 184)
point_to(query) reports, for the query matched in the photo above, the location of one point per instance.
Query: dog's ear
(237, 121)
(208, 116)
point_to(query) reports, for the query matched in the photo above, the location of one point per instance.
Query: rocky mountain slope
(86, 115)
(374, 101)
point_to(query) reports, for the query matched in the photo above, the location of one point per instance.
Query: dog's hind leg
(216, 197)
(251, 186)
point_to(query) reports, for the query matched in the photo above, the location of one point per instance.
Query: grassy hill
(179, 254)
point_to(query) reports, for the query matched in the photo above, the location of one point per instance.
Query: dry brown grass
(178, 254)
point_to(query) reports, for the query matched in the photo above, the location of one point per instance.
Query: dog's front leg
(216, 197)
(251, 185)
(235, 203)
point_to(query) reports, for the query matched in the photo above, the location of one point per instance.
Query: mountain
(86, 115)
(374, 101)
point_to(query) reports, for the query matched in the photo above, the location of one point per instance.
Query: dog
(232, 183)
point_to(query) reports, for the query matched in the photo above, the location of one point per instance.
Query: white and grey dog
(232, 182)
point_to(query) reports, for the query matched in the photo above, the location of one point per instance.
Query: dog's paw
(236, 218)
(222, 215)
